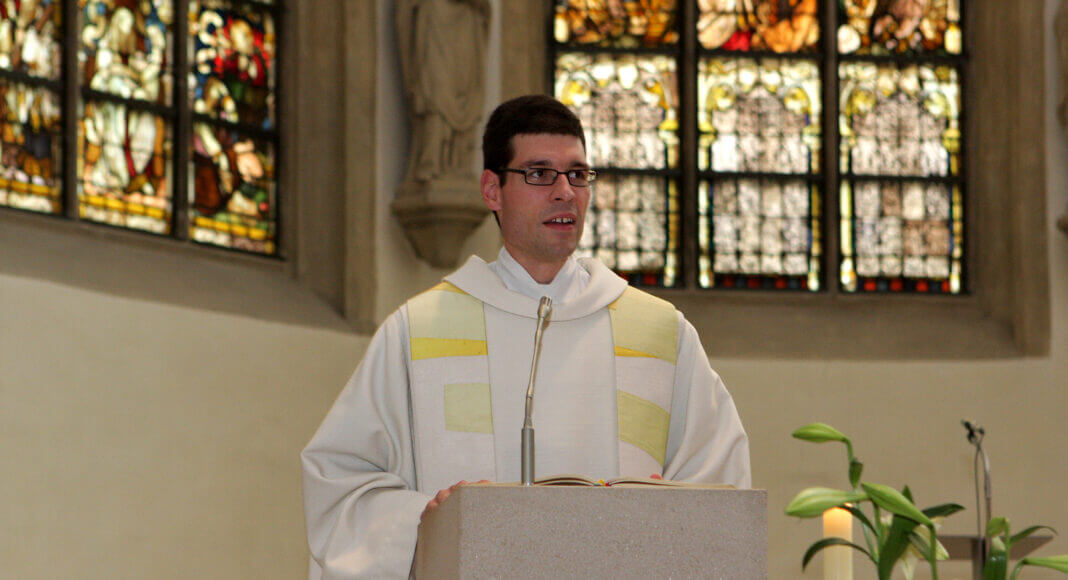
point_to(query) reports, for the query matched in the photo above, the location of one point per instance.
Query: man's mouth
(561, 221)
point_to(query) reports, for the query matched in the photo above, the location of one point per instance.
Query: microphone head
(545, 306)
(974, 431)
(971, 430)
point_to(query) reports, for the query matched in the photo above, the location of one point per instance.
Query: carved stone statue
(443, 56)
(443, 53)
(1060, 27)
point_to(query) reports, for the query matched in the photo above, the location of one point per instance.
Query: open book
(570, 479)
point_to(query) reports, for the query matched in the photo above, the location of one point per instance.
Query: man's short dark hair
(527, 115)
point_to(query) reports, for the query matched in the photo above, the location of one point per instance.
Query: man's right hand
(441, 495)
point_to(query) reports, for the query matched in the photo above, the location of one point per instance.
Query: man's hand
(441, 495)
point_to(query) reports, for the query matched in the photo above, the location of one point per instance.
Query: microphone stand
(975, 437)
(527, 451)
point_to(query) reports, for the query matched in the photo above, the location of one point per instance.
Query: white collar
(570, 281)
(601, 287)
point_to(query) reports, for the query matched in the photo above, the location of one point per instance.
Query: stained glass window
(615, 23)
(762, 188)
(628, 105)
(170, 96)
(30, 38)
(232, 194)
(30, 163)
(233, 55)
(759, 144)
(125, 164)
(30, 109)
(900, 122)
(899, 27)
(759, 25)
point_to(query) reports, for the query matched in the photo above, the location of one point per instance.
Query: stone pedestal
(595, 532)
(437, 216)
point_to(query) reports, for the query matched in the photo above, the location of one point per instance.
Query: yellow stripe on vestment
(445, 321)
(468, 408)
(623, 351)
(424, 348)
(644, 326)
(445, 286)
(643, 424)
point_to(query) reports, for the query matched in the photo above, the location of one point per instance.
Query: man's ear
(491, 189)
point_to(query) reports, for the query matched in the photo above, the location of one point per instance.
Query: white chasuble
(454, 360)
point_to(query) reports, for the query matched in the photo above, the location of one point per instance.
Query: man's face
(541, 225)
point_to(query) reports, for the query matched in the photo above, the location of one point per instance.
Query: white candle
(838, 560)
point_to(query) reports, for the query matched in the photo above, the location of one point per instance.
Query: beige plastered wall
(143, 440)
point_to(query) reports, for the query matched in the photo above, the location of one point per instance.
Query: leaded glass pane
(30, 164)
(632, 226)
(30, 37)
(759, 25)
(905, 234)
(899, 120)
(232, 190)
(759, 234)
(629, 108)
(615, 23)
(232, 52)
(627, 104)
(901, 236)
(124, 167)
(899, 27)
(758, 115)
(126, 48)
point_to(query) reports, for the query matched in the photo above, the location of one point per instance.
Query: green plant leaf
(996, 566)
(860, 516)
(996, 526)
(819, 433)
(893, 501)
(827, 542)
(895, 543)
(1017, 537)
(855, 469)
(1058, 563)
(814, 501)
(905, 491)
(942, 510)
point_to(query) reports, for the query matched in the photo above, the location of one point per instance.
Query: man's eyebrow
(549, 164)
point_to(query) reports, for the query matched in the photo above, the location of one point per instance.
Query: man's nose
(562, 189)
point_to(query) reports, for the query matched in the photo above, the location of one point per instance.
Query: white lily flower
(920, 546)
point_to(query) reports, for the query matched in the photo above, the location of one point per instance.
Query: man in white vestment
(624, 387)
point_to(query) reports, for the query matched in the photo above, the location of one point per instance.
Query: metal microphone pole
(527, 451)
(975, 437)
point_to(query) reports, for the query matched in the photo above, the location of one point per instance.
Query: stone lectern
(501, 531)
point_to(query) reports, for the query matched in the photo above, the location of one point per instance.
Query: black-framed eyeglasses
(546, 176)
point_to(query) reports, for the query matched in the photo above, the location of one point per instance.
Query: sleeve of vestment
(706, 441)
(361, 510)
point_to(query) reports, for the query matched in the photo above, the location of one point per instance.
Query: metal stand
(972, 548)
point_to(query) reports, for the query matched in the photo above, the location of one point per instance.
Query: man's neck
(541, 272)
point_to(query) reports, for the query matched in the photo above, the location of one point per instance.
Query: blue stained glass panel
(232, 52)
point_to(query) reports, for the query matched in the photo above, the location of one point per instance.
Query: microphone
(527, 451)
(975, 437)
